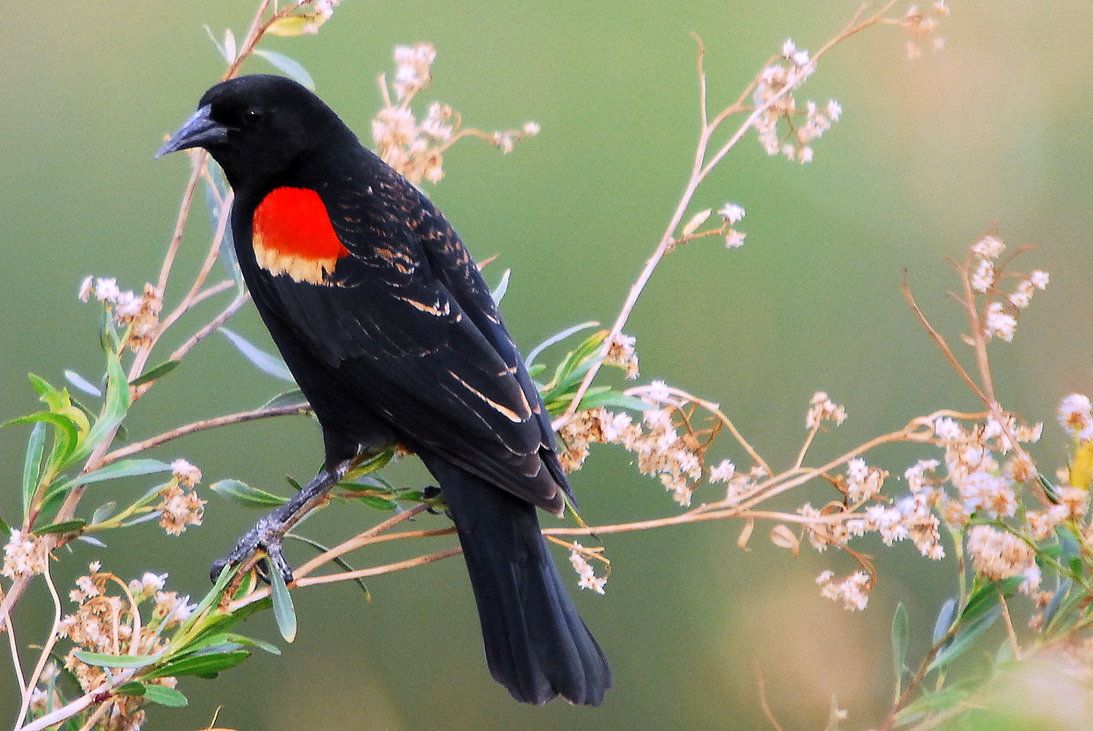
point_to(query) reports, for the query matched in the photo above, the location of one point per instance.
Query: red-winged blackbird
(391, 333)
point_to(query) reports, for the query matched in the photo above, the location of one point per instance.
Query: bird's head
(256, 127)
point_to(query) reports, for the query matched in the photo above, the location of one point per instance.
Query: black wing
(410, 328)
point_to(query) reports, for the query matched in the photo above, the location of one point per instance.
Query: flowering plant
(1020, 533)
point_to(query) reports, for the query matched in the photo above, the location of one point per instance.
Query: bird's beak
(198, 131)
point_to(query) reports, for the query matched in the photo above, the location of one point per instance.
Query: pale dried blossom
(724, 471)
(921, 26)
(853, 591)
(998, 554)
(731, 213)
(417, 150)
(988, 247)
(1039, 279)
(863, 482)
(106, 624)
(139, 313)
(999, 324)
(822, 408)
(25, 555)
(147, 585)
(588, 578)
(1076, 415)
(179, 508)
(621, 353)
(982, 278)
(186, 474)
(917, 480)
(1041, 523)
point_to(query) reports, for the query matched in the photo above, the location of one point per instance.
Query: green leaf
(295, 397)
(133, 687)
(115, 661)
(83, 384)
(200, 664)
(595, 397)
(965, 638)
(283, 610)
(103, 512)
(296, 25)
(944, 620)
(65, 434)
(117, 470)
(941, 700)
(207, 643)
(259, 358)
(40, 385)
(374, 501)
(157, 371)
(165, 696)
(208, 600)
(374, 463)
(5, 529)
(244, 494)
(292, 68)
(66, 526)
(900, 631)
(32, 465)
(1052, 607)
(216, 189)
(553, 340)
(115, 406)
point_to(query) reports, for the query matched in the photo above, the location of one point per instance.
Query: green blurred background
(994, 130)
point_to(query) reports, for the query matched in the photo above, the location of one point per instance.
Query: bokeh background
(994, 131)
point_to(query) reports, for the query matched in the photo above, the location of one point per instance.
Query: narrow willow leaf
(556, 338)
(965, 638)
(296, 25)
(117, 470)
(261, 360)
(91, 541)
(32, 465)
(696, 220)
(165, 696)
(498, 294)
(216, 191)
(244, 494)
(155, 372)
(5, 529)
(104, 660)
(1056, 601)
(83, 384)
(283, 611)
(295, 397)
(292, 68)
(65, 434)
(938, 701)
(200, 664)
(103, 512)
(133, 687)
(40, 385)
(230, 50)
(945, 619)
(116, 405)
(900, 631)
(219, 48)
(66, 526)
(374, 501)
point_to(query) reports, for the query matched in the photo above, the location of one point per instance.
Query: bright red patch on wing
(293, 222)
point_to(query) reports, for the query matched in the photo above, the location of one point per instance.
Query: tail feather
(536, 643)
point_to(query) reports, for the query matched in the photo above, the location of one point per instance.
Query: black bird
(391, 333)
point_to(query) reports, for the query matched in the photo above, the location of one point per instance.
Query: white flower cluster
(997, 554)
(821, 409)
(416, 149)
(998, 321)
(732, 214)
(180, 507)
(25, 555)
(853, 591)
(1076, 417)
(621, 354)
(139, 313)
(774, 94)
(104, 623)
(588, 578)
(921, 26)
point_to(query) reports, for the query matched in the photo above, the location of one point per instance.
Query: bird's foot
(266, 537)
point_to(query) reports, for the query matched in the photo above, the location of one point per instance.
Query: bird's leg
(268, 533)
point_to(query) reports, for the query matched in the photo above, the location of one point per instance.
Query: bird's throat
(292, 235)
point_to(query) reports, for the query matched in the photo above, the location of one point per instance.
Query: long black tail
(536, 644)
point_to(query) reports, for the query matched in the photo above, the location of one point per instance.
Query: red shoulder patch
(292, 235)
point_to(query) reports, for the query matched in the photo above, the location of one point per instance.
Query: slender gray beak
(197, 131)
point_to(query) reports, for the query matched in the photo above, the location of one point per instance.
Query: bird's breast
(293, 235)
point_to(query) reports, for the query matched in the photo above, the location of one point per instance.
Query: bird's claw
(264, 537)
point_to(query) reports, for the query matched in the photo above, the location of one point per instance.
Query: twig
(32, 681)
(13, 644)
(761, 683)
(202, 425)
(225, 315)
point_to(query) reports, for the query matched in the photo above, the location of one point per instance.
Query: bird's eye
(252, 115)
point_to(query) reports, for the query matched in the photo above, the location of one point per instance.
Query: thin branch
(32, 681)
(202, 425)
(13, 644)
(225, 315)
